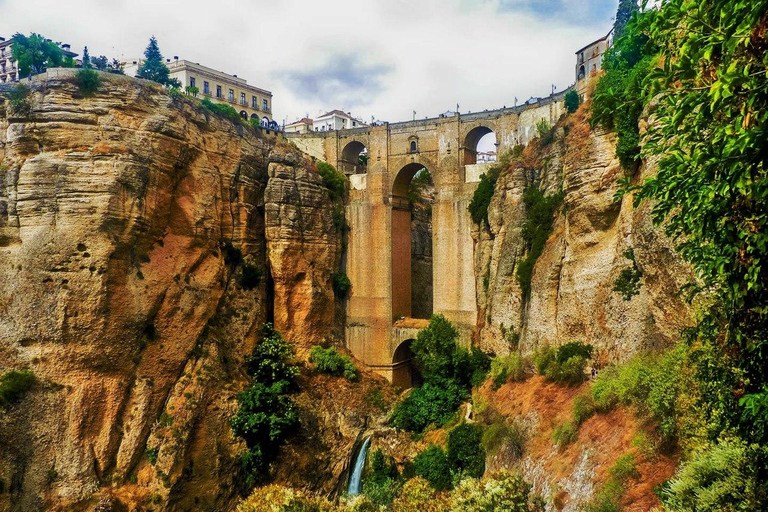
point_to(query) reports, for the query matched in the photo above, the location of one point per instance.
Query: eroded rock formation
(127, 221)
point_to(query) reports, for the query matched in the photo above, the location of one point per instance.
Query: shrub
(505, 492)
(571, 370)
(465, 452)
(723, 476)
(418, 495)
(572, 101)
(539, 217)
(87, 81)
(624, 468)
(14, 384)
(543, 357)
(501, 434)
(276, 498)
(250, 277)
(335, 182)
(341, 284)
(564, 434)
(574, 348)
(152, 455)
(546, 132)
(381, 492)
(608, 499)
(272, 359)
(628, 282)
(583, 408)
(428, 404)
(328, 360)
(224, 110)
(175, 93)
(18, 100)
(503, 369)
(432, 465)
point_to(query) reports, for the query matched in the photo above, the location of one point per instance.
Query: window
(265, 106)
(232, 95)
(191, 81)
(218, 91)
(242, 98)
(414, 146)
(354, 123)
(206, 88)
(254, 102)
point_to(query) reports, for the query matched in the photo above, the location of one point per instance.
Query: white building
(303, 125)
(336, 120)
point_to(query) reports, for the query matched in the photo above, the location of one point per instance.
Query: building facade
(336, 120)
(9, 68)
(589, 60)
(251, 102)
(303, 125)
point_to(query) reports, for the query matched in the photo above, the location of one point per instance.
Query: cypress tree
(153, 67)
(623, 14)
(86, 58)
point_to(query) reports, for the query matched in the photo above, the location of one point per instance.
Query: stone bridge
(379, 253)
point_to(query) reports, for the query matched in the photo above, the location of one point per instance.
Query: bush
(574, 348)
(504, 369)
(428, 404)
(608, 499)
(432, 465)
(505, 492)
(500, 434)
(328, 360)
(14, 384)
(272, 359)
(341, 284)
(465, 452)
(546, 132)
(250, 277)
(583, 408)
(564, 434)
(335, 182)
(543, 357)
(87, 81)
(539, 217)
(565, 365)
(381, 492)
(725, 476)
(225, 111)
(481, 200)
(572, 101)
(18, 100)
(418, 495)
(628, 282)
(650, 382)
(624, 468)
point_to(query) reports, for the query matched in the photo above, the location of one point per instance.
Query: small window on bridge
(414, 146)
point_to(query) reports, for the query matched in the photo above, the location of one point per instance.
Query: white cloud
(387, 57)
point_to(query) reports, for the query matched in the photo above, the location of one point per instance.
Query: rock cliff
(593, 240)
(143, 241)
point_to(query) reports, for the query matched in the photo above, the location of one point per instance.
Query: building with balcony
(252, 102)
(9, 68)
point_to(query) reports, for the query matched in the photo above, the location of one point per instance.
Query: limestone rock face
(572, 289)
(126, 221)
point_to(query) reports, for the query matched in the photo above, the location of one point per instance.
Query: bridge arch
(354, 158)
(411, 239)
(404, 372)
(480, 138)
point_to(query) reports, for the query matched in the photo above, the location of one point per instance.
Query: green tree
(86, 59)
(623, 14)
(101, 63)
(572, 101)
(153, 68)
(432, 464)
(465, 452)
(35, 54)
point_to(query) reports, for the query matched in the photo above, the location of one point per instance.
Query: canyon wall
(143, 242)
(572, 288)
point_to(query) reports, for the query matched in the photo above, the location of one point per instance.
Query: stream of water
(356, 478)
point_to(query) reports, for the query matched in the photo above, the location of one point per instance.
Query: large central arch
(354, 158)
(471, 142)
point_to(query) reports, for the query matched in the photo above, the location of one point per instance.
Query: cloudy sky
(382, 58)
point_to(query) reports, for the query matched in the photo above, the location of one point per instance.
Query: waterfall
(355, 479)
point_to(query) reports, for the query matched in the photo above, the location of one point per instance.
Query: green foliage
(376, 399)
(153, 68)
(546, 132)
(428, 404)
(501, 434)
(18, 99)
(432, 464)
(272, 359)
(650, 382)
(572, 101)
(341, 284)
(504, 369)
(608, 499)
(565, 365)
(192, 90)
(222, 109)
(619, 96)
(335, 182)
(481, 200)
(583, 408)
(624, 468)
(623, 14)
(328, 360)
(465, 452)
(564, 434)
(381, 492)
(14, 384)
(539, 217)
(506, 492)
(573, 349)
(417, 190)
(543, 357)
(628, 282)
(725, 476)
(174, 93)
(86, 59)
(152, 454)
(87, 81)
(250, 275)
(34, 54)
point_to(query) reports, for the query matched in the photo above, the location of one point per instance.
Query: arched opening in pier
(404, 372)
(480, 146)
(354, 158)
(412, 198)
